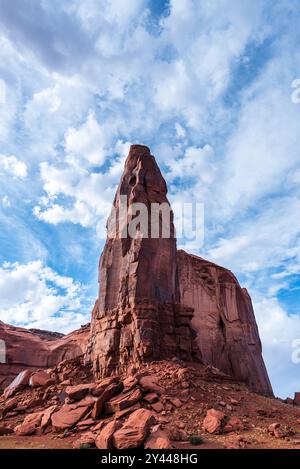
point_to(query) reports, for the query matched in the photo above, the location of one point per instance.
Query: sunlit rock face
(155, 302)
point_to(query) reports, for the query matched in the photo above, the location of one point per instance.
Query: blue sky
(207, 85)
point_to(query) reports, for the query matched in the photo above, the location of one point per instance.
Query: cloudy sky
(207, 84)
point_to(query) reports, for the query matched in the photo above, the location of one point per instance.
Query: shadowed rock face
(25, 349)
(155, 302)
(227, 334)
(138, 316)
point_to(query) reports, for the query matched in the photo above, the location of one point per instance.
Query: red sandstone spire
(137, 317)
(156, 303)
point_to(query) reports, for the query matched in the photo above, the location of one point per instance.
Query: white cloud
(96, 12)
(208, 38)
(79, 213)
(87, 142)
(9, 90)
(51, 111)
(13, 166)
(270, 240)
(6, 202)
(195, 163)
(256, 161)
(47, 99)
(33, 295)
(90, 193)
(180, 131)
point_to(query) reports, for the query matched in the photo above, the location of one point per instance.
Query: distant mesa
(35, 349)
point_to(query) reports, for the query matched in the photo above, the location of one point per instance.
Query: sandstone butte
(172, 356)
(156, 302)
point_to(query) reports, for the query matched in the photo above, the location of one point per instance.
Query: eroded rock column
(138, 316)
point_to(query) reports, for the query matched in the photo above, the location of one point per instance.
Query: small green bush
(84, 446)
(195, 440)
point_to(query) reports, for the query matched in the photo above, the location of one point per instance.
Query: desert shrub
(195, 440)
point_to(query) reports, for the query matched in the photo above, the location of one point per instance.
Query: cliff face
(155, 302)
(33, 350)
(227, 333)
(138, 316)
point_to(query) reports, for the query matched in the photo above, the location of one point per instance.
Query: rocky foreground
(165, 404)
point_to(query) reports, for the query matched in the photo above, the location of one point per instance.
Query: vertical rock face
(138, 316)
(227, 334)
(35, 349)
(133, 268)
(155, 302)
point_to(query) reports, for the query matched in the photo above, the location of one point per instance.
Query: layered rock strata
(156, 303)
(24, 349)
(227, 333)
